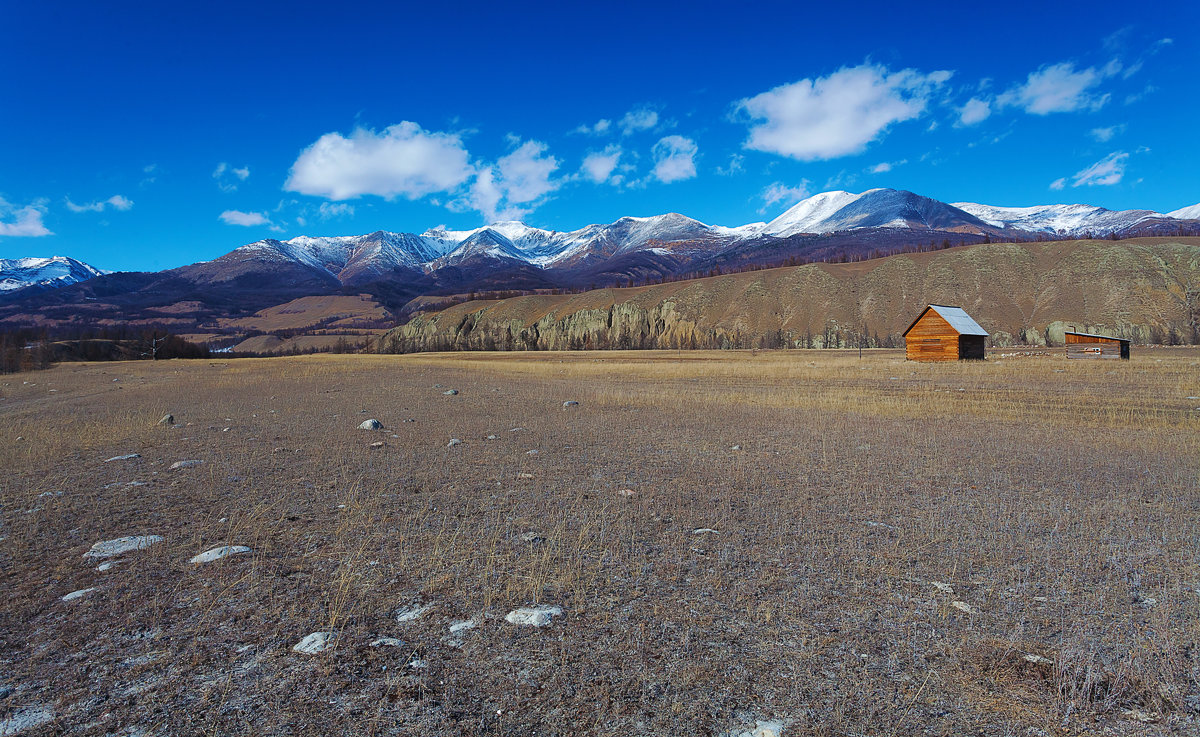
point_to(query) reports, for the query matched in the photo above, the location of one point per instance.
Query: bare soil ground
(843, 546)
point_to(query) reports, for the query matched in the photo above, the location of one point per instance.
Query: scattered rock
(76, 595)
(387, 642)
(570, 403)
(872, 523)
(456, 629)
(963, 606)
(1037, 659)
(1136, 715)
(418, 663)
(412, 612)
(107, 565)
(945, 588)
(124, 457)
(209, 556)
(532, 537)
(524, 475)
(538, 616)
(735, 447)
(371, 425)
(704, 531)
(317, 642)
(377, 444)
(453, 442)
(167, 419)
(113, 548)
(450, 392)
(184, 464)
(531, 452)
(492, 437)
(625, 492)
(23, 719)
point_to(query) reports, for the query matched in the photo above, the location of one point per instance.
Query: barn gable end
(944, 333)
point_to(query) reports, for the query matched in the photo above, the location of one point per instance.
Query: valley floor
(805, 540)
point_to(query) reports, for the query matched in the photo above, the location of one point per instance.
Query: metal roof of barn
(956, 316)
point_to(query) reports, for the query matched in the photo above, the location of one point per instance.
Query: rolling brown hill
(1147, 289)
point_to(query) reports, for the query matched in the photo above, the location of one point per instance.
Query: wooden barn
(1087, 345)
(943, 333)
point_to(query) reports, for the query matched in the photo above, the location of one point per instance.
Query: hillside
(1147, 288)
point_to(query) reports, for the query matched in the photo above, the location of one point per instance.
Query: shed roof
(956, 316)
(1095, 335)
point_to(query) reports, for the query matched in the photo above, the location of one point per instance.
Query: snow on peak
(55, 271)
(1057, 219)
(810, 215)
(1186, 213)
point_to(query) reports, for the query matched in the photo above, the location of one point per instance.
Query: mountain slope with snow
(1069, 220)
(1186, 213)
(830, 212)
(56, 271)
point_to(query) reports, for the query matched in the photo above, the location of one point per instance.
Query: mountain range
(395, 267)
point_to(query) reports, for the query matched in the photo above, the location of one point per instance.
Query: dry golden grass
(1055, 500)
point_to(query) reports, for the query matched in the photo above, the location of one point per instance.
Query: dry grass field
(739, 541)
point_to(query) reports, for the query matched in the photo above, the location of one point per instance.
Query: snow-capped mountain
(1186, 213)
(876, 208)
(57, 271)
(1072, 220)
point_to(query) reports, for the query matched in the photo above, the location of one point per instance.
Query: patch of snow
(538, 616)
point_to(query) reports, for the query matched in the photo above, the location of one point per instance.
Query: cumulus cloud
(885, 166)
(402, 160)
(779, 193)
(837, 115)
(1061, 88)
(330, 210)
(226, 174)
(514, 186)
(23, 221)
(1106, 171)
(1106, 134)
(598, 166)
(248, 219)
(600, 128)
(974, 111)
(674, 159)
(116, 202)
(640, 119)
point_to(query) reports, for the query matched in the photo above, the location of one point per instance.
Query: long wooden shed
(1088, 345)
(944, 333)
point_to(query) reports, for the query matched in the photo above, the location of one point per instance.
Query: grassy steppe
(975, 548)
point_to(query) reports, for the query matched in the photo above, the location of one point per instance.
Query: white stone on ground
(454, 639)
(317, 642)
(113, 548)
(531, 537)
(23, 719)
(387, 642)
(703, 531)
(183, 464)
(167, 419)
(625, 492)
(78, 594)
(570, 403)
(451, 392)
(963, 606)
(945, 588)
(538, 616)
(453, 442)
(106, 566)
(371, 425)
(412, 612)
(1037, 659)
(124, 457)
(377, 444)
(208, 556)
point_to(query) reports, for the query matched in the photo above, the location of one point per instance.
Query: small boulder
(625, 492)
(167, 419)
(963, 606)
(371, 425)
(570, 403)
(121, 545)
(78, 594)
(450, 392)
(184, 464)
(538, 616)
(124, 457)
(377, 444)
(317, 642)
(531, 537)
(209, 556)
(387, 642)
(412, 612)
(453, 442)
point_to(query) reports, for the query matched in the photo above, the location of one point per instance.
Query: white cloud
(237, 217)
(1106, 171)
(641, 119)
(736, 166)
(601, 127)
(1060, 88)
(837, 115)
(885, 166)
(780, 193)
(1106, 134)
(674, 159)
(116, 202)
(402, 160)
(330, 210)
(974, 111)
(225, 174)
(514, 186)
(598, 166)
(1058, 183)
(23, 221)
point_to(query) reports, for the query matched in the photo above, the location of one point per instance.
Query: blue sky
(139, 136)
